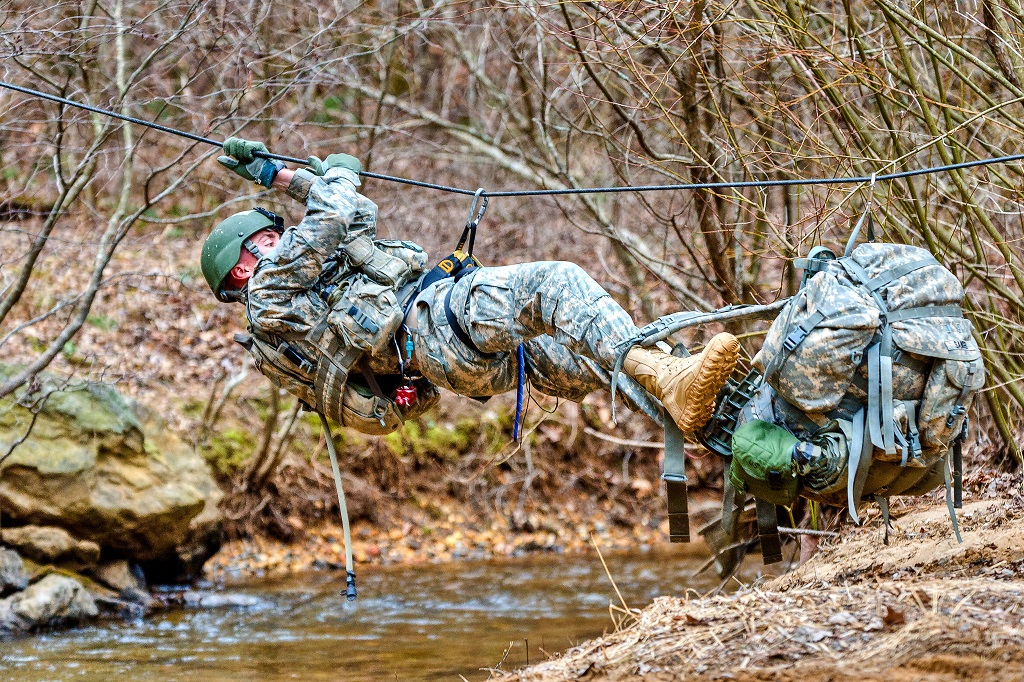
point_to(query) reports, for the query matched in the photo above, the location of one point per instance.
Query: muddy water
(409, 623)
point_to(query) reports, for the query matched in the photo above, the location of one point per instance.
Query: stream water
(432, 622)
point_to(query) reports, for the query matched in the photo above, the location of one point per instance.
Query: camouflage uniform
(569, 325)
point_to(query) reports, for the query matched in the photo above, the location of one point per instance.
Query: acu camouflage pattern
(824, 379)
(286, 294)
(568, 324)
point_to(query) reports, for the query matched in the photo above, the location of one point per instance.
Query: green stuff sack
(762, 462)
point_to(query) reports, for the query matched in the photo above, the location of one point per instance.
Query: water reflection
(410, 623)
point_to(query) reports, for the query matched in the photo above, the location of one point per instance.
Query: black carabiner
(476, 212)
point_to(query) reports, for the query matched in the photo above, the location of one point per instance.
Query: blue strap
(520, 383)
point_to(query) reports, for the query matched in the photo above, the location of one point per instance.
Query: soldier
(344, 321)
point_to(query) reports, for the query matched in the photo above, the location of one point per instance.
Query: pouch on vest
(762, 462)
(365, 315)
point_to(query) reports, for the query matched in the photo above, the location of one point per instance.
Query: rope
(853, 180)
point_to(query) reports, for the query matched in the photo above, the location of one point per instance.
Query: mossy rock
(105, 469)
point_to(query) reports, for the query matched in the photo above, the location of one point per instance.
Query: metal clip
(476, 213)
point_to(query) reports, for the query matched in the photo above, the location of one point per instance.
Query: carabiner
(476, 212)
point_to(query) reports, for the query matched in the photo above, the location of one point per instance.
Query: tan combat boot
(687, 387)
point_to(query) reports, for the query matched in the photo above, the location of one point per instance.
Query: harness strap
(675, 482)
(768, 531)
(460, 333)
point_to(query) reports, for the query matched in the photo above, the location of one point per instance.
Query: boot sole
(720, 357)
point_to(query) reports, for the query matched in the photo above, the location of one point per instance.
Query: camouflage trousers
(568, 324)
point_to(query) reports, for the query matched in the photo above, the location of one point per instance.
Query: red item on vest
(405, 396)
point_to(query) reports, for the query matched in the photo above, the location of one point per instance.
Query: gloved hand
(246, 164)
(762, 462)
(334, 161)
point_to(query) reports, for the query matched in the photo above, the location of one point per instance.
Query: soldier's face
(238, 277)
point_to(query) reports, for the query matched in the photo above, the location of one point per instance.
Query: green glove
(334, 161)
(246, 164)
(762, 462)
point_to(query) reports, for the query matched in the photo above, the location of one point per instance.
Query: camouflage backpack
(872, 359)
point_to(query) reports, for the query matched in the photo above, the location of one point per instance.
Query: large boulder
(106, 471)
(53, 601)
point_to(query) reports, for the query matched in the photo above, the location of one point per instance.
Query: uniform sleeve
(280, 300)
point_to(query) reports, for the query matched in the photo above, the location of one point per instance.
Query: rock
(12, 571)
(51, 545)
(107, 471)
(53, 601)
(129, 584)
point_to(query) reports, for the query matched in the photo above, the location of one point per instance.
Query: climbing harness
(457, 265)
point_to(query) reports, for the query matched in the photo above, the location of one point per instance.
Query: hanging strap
(958, 465)
(949, 500)
(768, 531)
(350, 581)
(883, 504)
(675, 482)
(858, 463)
(913, 449)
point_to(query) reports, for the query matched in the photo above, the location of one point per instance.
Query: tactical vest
(873, 359)
(367, 287)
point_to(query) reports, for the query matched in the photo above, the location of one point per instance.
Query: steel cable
(885, 177)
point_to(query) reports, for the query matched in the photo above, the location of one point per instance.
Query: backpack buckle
(795, 338)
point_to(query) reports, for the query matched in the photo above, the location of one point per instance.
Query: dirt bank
(923, 608)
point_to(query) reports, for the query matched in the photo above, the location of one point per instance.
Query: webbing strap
(949, 500)
(874, 393)
(768, 531)
(732, 506)
(350, 586)
(675, 482)
(924, 311)
(792, 341)
(958, 472)
(885, 397)
(883, 504)
(913, 435)
(858, 463)
(460, 333)
(889, 276)
(332, 367)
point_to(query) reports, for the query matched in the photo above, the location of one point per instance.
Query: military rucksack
(872, 357)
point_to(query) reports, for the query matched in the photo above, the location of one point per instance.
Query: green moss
(428, 439)
(193, 407)
(228, 450)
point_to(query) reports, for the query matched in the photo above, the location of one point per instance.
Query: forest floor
(922, 608)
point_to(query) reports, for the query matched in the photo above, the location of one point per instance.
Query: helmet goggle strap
(273, 217)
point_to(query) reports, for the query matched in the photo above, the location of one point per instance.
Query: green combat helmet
(224, 245)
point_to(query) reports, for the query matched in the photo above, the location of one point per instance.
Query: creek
(410, 623)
